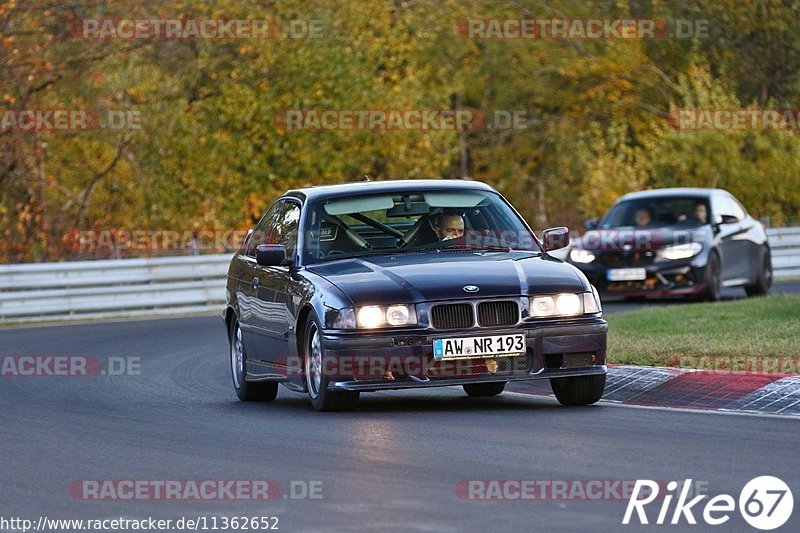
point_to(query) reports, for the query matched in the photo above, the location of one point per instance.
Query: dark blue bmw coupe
(370, 286)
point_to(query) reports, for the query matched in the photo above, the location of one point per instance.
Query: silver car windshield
(657, 213)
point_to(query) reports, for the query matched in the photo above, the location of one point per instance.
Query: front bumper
(558, 348)
(664, 278)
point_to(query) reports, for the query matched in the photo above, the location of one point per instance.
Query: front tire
(579, 390)
(247, 391)
(763, 278)
(314, 354)
(482, 390)
(713, 279)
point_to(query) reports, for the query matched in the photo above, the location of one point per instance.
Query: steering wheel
(412, 232)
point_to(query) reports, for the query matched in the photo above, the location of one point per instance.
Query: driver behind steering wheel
(449, 226)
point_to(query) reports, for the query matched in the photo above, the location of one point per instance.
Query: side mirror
(555, 238)
(270, 255)
(591, 223)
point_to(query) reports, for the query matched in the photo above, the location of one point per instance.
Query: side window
(278, 226)
(261, 233)
(737, 209)
(727, 205)
(286, 228)
(719, 207)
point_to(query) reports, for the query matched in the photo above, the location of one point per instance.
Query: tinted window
(278, 226)
(657, 212)
(727, 205)
(736, 208)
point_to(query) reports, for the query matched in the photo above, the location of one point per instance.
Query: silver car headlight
(679, 251)
(579, 255)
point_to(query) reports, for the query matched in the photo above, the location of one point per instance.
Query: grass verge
(758, 334)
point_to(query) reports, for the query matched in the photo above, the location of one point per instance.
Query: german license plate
(627, 274)
(479, 346)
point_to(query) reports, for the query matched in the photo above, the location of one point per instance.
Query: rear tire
(247, 391)
(713, 279)
(579, 390)
(485, 389)
(764, 276)
(317, 382)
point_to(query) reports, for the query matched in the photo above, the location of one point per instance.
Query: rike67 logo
(765, 503)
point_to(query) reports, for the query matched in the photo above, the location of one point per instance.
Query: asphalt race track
(393, 464)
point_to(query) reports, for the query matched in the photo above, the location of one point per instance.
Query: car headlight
(370, 316)
(579, 255)
(565, 304)
(569, 304)
(376, 316)
(400, 315)
(680, 251)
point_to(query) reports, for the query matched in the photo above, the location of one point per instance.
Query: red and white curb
(746, 392)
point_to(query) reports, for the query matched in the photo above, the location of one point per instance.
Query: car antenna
(366, 178)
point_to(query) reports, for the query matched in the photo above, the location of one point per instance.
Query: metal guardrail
(112, 288)
(785, 244)
(171, 285)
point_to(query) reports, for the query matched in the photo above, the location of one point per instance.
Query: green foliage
(211, 154)
(754, 328)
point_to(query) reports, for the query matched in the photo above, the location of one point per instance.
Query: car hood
(407, 278)
(627, 239)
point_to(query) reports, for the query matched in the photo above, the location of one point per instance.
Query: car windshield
(400, 222)
(657, 212)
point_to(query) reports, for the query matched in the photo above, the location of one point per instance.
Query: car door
(748, 242)
(732, 239)
(275, 288)
(250, 295)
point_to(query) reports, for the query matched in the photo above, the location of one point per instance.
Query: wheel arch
(302, 318)
(230, 314)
